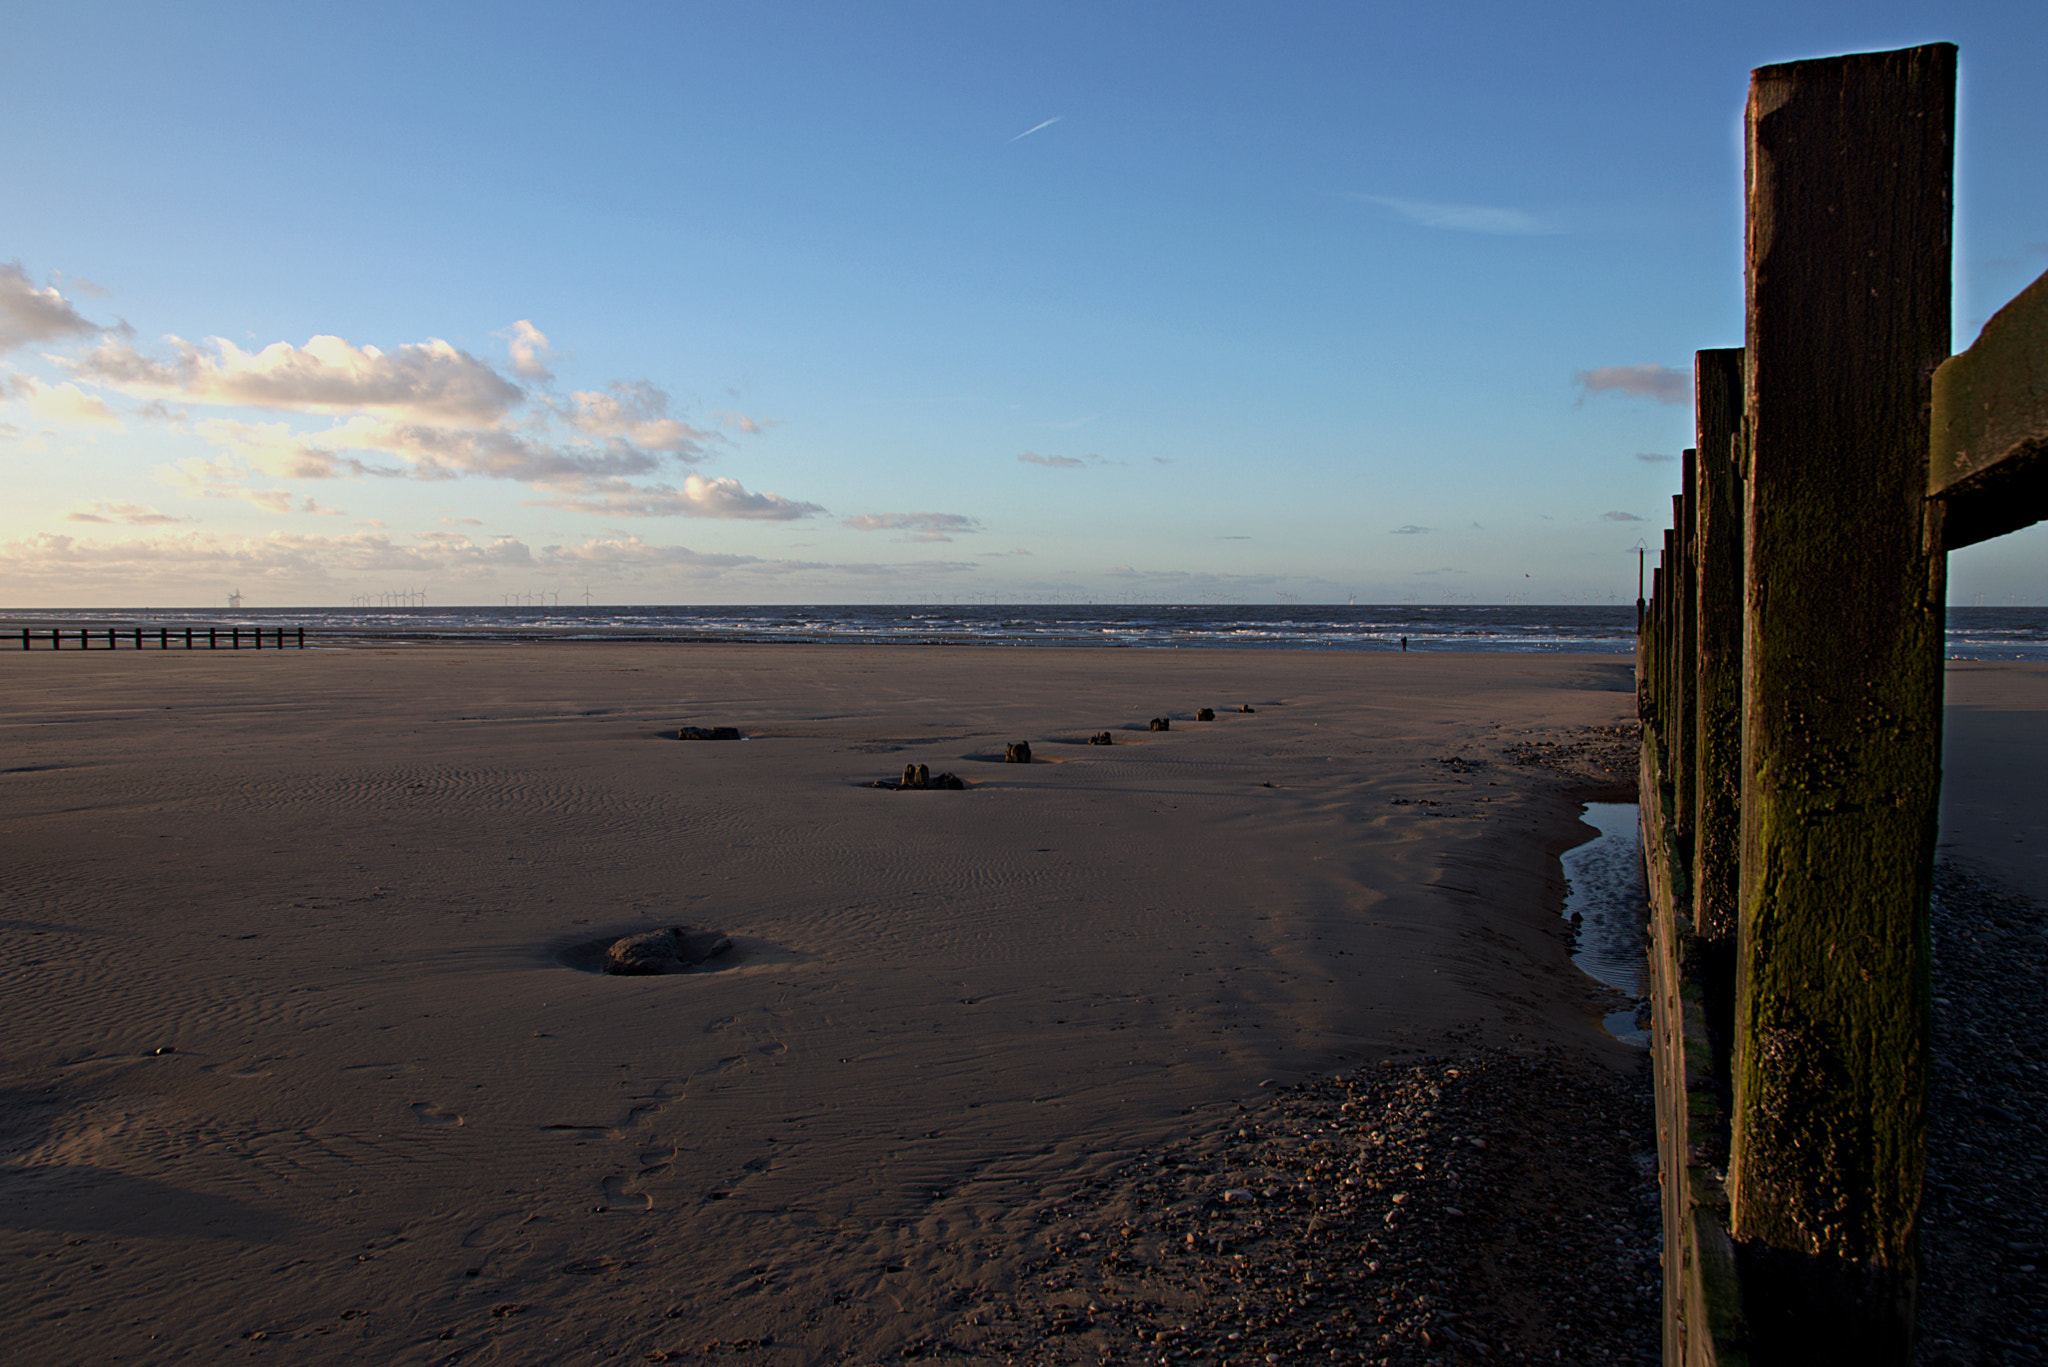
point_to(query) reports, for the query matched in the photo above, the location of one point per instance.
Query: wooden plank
(1849, 178)
(1989, 452)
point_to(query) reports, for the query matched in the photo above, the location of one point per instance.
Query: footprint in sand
(620, 1195)
(656, 1160)
(429, 1114)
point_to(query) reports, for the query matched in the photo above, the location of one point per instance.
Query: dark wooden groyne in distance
(1790, 686)
(159, 638)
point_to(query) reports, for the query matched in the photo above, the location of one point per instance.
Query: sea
(1974, 633)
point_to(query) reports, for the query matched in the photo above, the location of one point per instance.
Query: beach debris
(1206, 714)
(1246, 707)
(1018, 752)
(1162, 724)
(675, 950)
(1101, 738)
(917, 777)
(709, 733)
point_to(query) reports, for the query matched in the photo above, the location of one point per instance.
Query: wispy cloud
(130, 514)
(1037, 126)
(1619, 516)
(1653, 458)
(1409, 529)
(1061, 462)
(1464, 218)
(1659, 382)
(915, 526)
(697, 497)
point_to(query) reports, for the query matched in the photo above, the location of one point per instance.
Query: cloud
(1061, 462)
(1652, 458)
(1618, 516)
(915, 526)
(1442, 569)
(1659, 382)
(530, 351)
(750, 425)
(1409, 529)
(1036, 126)
(28, 314)
(422, 411)
(427, 381)
(698, 497)
(68, 406)
(132, 514)
(197, 477)
(633, 414)
(85, 286)
(1468, 218)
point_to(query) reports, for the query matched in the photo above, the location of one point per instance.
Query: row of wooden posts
(211, 641)
(1790, 668)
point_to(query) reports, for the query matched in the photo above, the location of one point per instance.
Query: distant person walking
(1404, 645)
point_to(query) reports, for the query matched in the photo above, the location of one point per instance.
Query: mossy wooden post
(1848, 260)
(1717, 731)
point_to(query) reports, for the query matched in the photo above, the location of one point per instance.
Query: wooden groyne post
(1791, 690)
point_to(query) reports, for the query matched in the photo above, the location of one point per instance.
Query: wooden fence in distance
(194, 638)
(1790, 686)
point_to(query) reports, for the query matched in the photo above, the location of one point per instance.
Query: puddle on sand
(1605, 888)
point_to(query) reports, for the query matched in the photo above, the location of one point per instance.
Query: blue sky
(801, 303)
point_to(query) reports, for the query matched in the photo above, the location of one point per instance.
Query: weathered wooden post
(1683, 681)
(1717, 532)
(1848, 259)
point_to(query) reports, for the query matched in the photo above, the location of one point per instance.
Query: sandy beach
(292, 1058)
(293, 1063)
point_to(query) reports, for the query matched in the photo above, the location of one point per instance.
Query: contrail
(1034, 128)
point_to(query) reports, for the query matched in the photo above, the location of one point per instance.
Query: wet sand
(292, 1063)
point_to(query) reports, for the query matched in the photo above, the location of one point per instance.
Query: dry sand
(291, 1065)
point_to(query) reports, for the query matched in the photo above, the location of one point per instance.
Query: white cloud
(1659, 382)
(530, 351)
(915, 526)
(1469, 218)
(1618, 516)
(28, 314)
(633, 413)
(1409, 529)
(420, 411)
(427, 381)
(68, 406)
